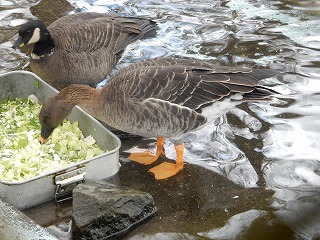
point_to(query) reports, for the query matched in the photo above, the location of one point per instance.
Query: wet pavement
(252, 174)
(188, 203)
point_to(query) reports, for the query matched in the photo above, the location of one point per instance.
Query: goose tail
(260, 93)
(148, 27)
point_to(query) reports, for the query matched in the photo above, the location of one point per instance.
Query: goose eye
(28, 32)
(45, 119)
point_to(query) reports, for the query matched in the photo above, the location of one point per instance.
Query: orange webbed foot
(166, 170)
(147, 157)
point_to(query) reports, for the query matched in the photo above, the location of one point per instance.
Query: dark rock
(104, 211)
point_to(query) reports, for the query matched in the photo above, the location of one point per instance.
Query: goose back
(189, 83)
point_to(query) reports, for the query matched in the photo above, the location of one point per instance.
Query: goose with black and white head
(81, 48)
(160, 98)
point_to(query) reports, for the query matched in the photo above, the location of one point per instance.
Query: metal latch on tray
(66, 182)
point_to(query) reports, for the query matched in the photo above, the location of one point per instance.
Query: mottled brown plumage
(160, 97)
(81, 48)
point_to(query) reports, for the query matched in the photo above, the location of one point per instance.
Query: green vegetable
(22, 155)
(36, 84)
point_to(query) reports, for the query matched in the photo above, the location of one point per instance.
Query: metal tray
(56, 184)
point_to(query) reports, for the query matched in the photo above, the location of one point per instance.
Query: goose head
(52, 114)
(56, 108)
(31, 32)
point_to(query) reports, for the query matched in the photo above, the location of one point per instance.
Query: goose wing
(189, 83)
(88, 32)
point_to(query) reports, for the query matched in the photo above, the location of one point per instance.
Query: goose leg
(166, 170)
(147, 157)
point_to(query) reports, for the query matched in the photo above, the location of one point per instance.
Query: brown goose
(160, 98)
(81, 48)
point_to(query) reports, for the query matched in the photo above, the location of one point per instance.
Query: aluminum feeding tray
(55, 184)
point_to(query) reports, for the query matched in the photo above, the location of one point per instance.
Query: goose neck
(44, 47)
(78, 94)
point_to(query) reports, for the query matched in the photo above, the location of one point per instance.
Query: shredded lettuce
(22, 155)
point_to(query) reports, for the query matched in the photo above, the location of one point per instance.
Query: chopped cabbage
(22, 155)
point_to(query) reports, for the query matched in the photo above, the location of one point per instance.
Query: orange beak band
(42, 140)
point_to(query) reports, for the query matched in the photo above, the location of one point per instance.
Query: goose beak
(45, 133)
(18, 43)
(42, 140)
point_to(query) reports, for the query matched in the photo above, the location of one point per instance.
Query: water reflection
(268, 145)
(212, 148)
(236, 226)
(164, 236)
(297, 189)
(12, 14)
(292, 150)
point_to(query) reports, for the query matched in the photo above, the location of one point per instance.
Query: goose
(160, 98)
(81, 48)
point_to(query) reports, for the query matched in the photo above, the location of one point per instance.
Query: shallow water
(255, 172)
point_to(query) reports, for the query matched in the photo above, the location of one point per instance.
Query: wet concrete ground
(190, 202)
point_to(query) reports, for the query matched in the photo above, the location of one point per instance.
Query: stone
(104, 211)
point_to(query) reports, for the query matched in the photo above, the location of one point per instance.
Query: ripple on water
(297, 189)
(236, 226)
(12, 14)
(212, 149)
